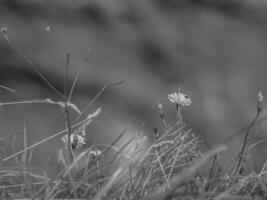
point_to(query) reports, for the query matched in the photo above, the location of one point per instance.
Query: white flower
(95, 152)
(179, 98)
(75, 139)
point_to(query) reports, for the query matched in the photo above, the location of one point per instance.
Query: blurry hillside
(216, 51)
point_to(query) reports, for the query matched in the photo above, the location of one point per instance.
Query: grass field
(173, 166)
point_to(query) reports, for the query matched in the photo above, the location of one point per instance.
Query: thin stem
(178, 113)
(163, 171)
(173, 164)
(7, 88)
(165, 123)
(70, 154)
(37, 45)
(67, 119)
(35, 101)
(105, 87)
(245, 142)
(30, 62)
(214, 158)
(44, 101)
(77, 76)
(67, 74)
(162, 115)
(255, 163)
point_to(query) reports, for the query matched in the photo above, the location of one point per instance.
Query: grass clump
(172, 167)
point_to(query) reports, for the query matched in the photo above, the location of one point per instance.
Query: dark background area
(215, 50)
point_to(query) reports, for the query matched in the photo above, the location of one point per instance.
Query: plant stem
(245, 143)
(30, 62)
(178, 113)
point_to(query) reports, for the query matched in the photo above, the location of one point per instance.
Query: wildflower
(95, 152)
(180, 99)
(76, 140)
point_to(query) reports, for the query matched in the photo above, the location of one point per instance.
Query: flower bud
(260, 102)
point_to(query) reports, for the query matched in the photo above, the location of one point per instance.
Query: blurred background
(214, 50)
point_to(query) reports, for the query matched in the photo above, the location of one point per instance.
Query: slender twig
(162, 115)
(245, 142)
(30, 62)
(7, 88)
(66, 74)
(105, 87)
(68, 127)
(178, 113)
(173, 164)
(260, 108)
(241, 131)
(37, 45)
(65, 109)
(43, 101)
(77, 76)
(214, 159)
(178, 109)
(255, 163)
(34, 101)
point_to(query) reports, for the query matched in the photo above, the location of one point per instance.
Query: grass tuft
(171, 167)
